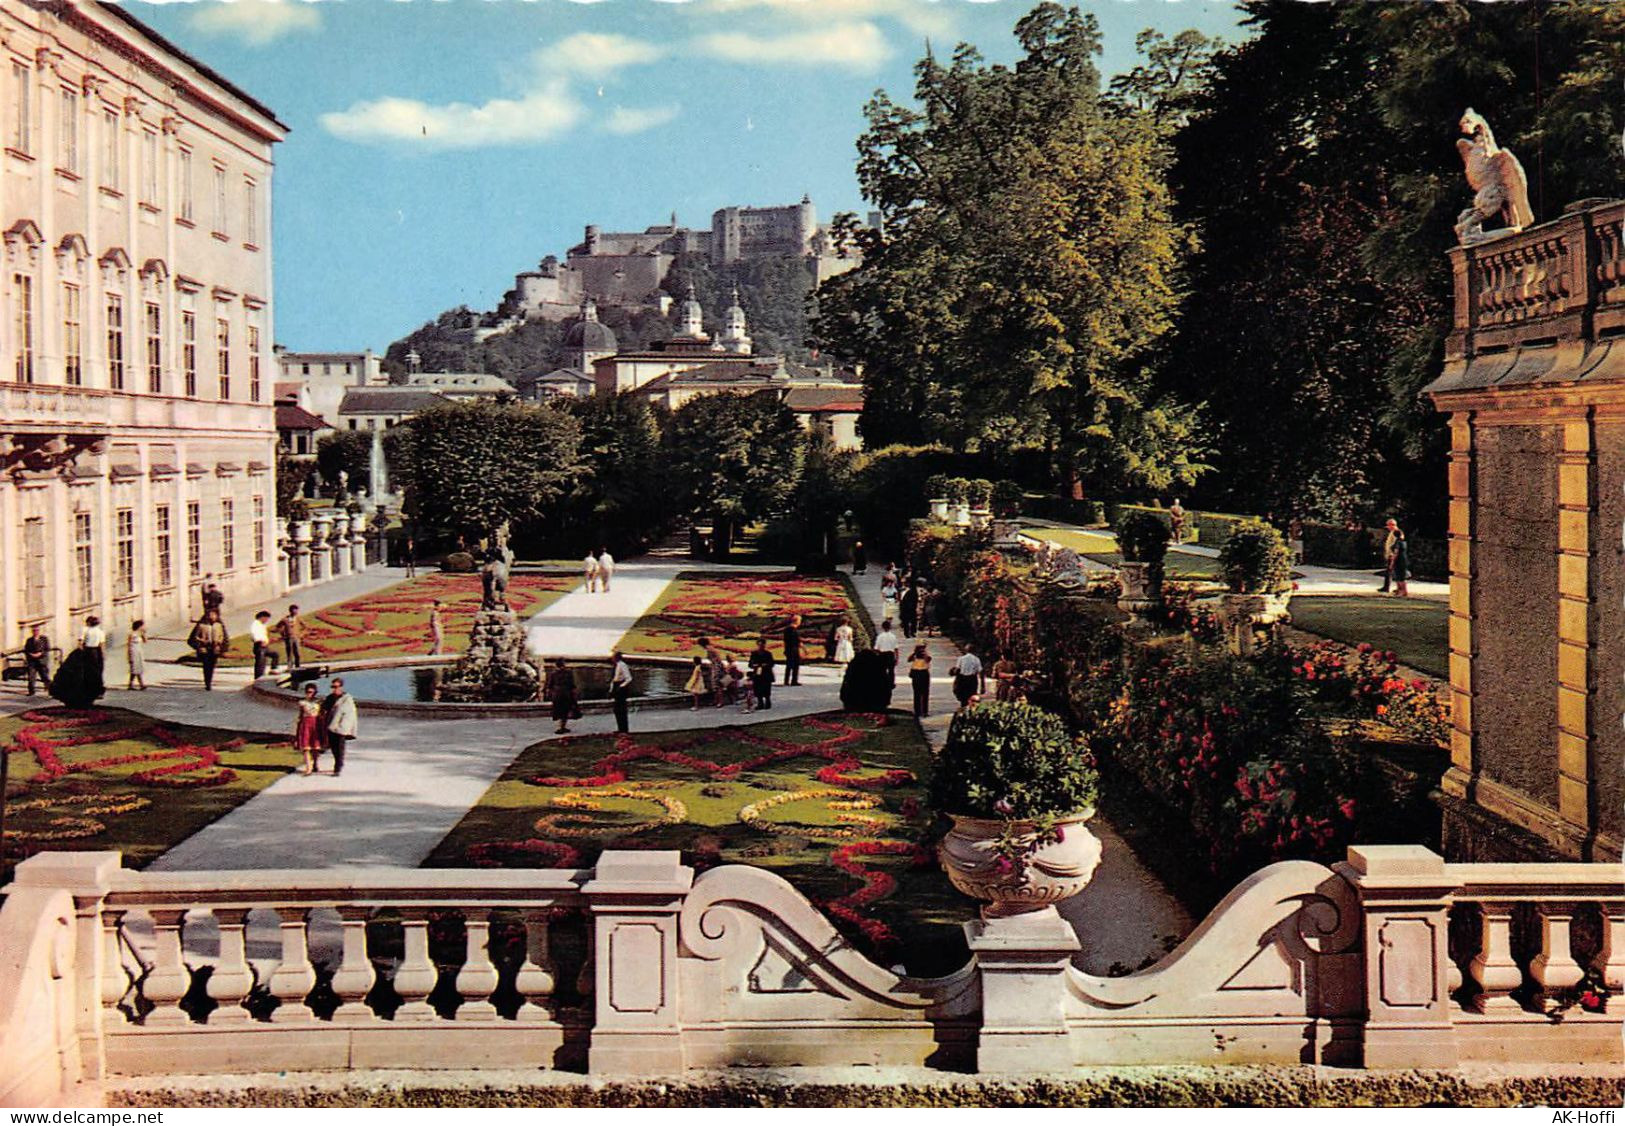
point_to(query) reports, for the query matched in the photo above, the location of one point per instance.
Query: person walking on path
(919, 675)
(293, 636)
(969, 680)
(411, 558)
(843, 644)
(78, 681)
(213, 599)
(589, 570)
(308, 736)
(620, 690)
(259, 632)
(135, 655)
(1390, 546)
(930, 601)
(1400, 565)
(886, 644)
(717, 671)
(792, 651)
(37, 658)
(860, 558)
(606, 568)
(437, 628)
(340, 718)
(908, 607)
(761, 674)
(1176, 522)
(1005, 673)
(698, 685)
(210, 642)
(560, 691)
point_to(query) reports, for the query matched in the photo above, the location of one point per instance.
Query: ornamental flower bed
(395, 622)
(1364, 682)
(831, 802)
(105, 778)
(734, 610)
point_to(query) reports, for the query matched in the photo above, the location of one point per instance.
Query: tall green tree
(473, 466)
(733, 458)
(623, 493)
(1025, 263)
(348, 452)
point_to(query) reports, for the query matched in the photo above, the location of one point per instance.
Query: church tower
(588, 341)
(692, 324)
(735, 337)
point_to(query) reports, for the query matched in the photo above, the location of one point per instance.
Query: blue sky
(440, 146)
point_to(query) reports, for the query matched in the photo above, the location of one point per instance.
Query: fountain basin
(405, 686)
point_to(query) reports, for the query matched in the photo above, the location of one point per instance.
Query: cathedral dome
(590, 336)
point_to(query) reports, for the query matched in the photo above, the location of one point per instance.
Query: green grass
(733, 609)
(701, 803)
(1103, 549)
(66, 790)
(1416, 629)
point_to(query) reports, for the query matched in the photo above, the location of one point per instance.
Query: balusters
(353, 979)
(169, 979)
(233, 977)
(478, 978)
(294, 976)
(1610, 960)
(416, 977)
(1554, 969)
(535, 980)
(1494, 969)
(115, 979)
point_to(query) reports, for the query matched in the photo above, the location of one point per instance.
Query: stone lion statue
(1498, 181)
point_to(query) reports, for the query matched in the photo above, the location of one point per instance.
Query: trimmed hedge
(1065, 510)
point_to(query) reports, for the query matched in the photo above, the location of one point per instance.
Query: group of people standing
(718, 681)
(599, 570)
(559, 688)
(325, 724)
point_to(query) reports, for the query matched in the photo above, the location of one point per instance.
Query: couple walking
(599, 569)
(325, 724)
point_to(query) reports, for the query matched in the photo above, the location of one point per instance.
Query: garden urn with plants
(1143, 541)
(936, 495)
(1257, 567)
(1018, 787)
(980, 498)
(958, 502)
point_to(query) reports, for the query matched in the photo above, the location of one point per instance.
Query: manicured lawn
(1103, 548)
(395, 622)
(107, 778)
(1416, 629)
(735, 609)
(830, 802)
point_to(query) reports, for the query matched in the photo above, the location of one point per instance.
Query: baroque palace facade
(137, 431)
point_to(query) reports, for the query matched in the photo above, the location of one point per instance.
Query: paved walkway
(1125, 915)
(589, 623)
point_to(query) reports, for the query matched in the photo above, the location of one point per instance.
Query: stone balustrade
(1391, 958)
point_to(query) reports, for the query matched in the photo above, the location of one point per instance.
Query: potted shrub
(980, 497)
(936, 494)
(1143, 541)
(1006, 499)
(1257, 567)
(1018, 787)
(958, 496)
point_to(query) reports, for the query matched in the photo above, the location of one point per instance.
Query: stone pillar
(86, 876)
(299, 565)
(1576, 476)
(358, 544)
(635, 899)
(1463, 772)
(320, 554)
(1405, 895)
(1022, 961)
(341, 544)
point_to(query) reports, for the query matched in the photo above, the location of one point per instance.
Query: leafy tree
(1025, 263)
(349, 452)
(473, 466)
(733, 458)
(623, 493)
(822, 493)
(292, 473)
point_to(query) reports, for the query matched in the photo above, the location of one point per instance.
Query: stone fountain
(495, 669)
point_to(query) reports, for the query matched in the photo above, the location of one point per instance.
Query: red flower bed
(734, 610)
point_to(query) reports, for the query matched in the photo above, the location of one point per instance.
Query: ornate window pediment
(115, 266)
(154, 273)
(23, 242)
(72, 255)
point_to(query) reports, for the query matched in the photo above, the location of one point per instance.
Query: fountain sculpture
(495, 669)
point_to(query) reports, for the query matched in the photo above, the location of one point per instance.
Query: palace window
(194, 538)
(67, 154)
(222, 354)
(124, 549)
(251, 206)
(165, 568)
(73, 349)
(189, 352)
(84, 559)
(22, 324)
(115, 342)
(22, 85)
(112, 164)
(259, 529)
(155, 348)
(185, 174)
(149, 167)
(34, 570)
(228, 534)
(254, 363)
(219, 201)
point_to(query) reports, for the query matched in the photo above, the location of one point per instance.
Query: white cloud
(858, 46)
(541, 115)
(595, 55)
(626, 121)
(256, 22)
(924, 17)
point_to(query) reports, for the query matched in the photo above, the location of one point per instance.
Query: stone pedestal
(1023, 961)
(496, 667)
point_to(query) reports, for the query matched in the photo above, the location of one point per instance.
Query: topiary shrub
(1141, 537)
(1007, 498)
(979, 493)
(1013, 761)
(936, 486)
(958, 490)
(459, 561)
(1255, 560)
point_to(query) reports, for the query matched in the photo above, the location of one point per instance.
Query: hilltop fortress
(625, 268)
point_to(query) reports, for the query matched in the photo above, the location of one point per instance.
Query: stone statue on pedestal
(1498, 180)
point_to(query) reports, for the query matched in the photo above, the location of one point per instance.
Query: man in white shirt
(606, 567)
(590, 566)
(886, 646)
(620, 688)
(259, 632)
(968, 677)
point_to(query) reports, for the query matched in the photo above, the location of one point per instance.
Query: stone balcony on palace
(51, 408)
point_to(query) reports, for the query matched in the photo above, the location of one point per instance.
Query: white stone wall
(130, 181)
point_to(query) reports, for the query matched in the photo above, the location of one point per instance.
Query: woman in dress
(1004, 677)
(561, 690)
(78, 680)
(308, 736)
(696, 686)
(135, 650)
(843, 643)
(919, 675)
